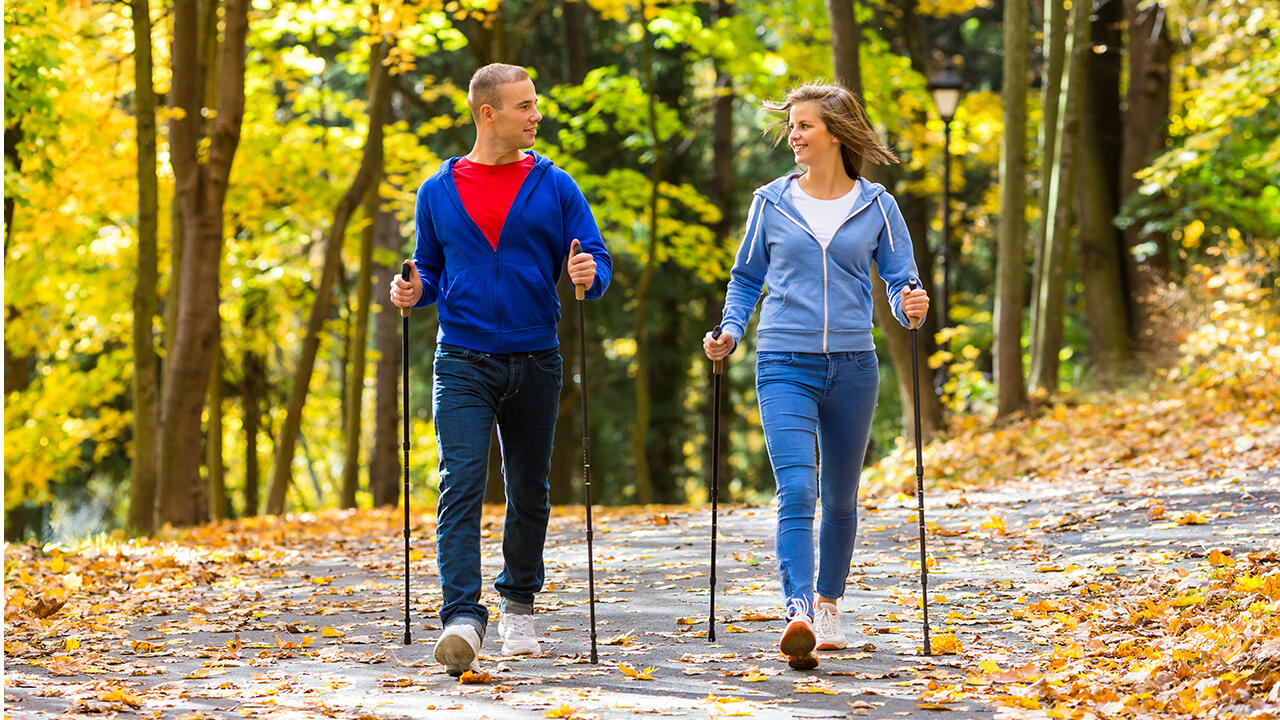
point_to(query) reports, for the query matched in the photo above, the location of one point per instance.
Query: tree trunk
(574, 17)
(255, 382)
(385, 456)
(640, 434)
(1102, 265)
(365, 176)
(213, 441)
(1051, 92)
(1053, 261)
(142, 471)
(845, 44)
(201, 188)
(1010, 264)
(1144, 134)
(364, 295)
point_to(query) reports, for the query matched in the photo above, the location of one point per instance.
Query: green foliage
(1216, 186)
(32, 84)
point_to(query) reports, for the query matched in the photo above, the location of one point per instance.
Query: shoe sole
(803, 662)
(797, 640)
(833, 646)
(516, 648)
(455, 653)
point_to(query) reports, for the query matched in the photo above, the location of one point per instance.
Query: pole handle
(579, 292)
(717, 366)
(405, 271)
(913, 284)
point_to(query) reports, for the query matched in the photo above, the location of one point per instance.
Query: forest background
(204, 200)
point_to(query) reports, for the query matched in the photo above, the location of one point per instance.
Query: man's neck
(487, 152)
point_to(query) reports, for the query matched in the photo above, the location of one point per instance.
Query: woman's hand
(915, 305)
(718, 348)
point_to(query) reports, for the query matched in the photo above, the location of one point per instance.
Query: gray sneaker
(457, 648)
(518, 636)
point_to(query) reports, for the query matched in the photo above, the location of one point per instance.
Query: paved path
(256, 634)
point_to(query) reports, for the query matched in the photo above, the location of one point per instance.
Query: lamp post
(946, 88)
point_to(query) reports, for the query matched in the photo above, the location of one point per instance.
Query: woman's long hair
(844, 118)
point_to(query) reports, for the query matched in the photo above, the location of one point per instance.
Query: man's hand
(718, 348)
(582, 266)
(915, 305)
(406, 294)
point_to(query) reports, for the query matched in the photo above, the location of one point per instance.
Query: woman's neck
(827, 180)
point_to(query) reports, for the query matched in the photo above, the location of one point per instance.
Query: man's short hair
(484, 84)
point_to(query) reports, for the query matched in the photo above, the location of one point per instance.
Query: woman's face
(807, 135)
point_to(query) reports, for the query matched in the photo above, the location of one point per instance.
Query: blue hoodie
(819, 298)
(503, 300)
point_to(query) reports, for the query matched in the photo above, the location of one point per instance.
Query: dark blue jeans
(472, 390)
(821, 401)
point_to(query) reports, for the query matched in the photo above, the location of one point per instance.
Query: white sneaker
(457, 648)
(518, 637)
(826, 625)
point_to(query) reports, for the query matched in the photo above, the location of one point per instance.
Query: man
(493, 230)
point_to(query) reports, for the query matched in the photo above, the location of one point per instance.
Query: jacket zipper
(826, 311)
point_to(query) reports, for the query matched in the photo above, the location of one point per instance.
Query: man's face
(516, 124)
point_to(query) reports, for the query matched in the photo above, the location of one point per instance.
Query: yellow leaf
(994, 524)
(989, 666)
(735, 628)
(564, 711)
(646, 674)
(331, 632)
(475, 678)
(1217, 558)
(1191, 518)
(754, 676)
(72, 643)
(1248, 583)
(945, 644)
(121, 695)
(58, 565)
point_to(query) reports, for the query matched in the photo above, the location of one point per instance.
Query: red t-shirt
(487, 191)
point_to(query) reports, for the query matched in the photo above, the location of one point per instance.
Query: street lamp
(946, 88)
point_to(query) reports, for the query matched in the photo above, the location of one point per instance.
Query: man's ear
(487, 112)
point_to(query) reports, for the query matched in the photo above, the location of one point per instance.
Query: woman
(811, 237)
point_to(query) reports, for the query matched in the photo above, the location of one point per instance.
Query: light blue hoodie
(819, 298)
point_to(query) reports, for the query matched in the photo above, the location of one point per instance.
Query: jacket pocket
(528, 300)
(469, 299)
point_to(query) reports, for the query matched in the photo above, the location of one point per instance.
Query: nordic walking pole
(717, 369)
(915, 401)
(580, 293)
(404, 362)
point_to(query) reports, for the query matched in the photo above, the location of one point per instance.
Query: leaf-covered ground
(1122, 593)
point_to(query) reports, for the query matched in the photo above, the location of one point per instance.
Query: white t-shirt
(824, 217)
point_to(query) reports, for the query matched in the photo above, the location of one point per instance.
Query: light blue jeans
(816, 409)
